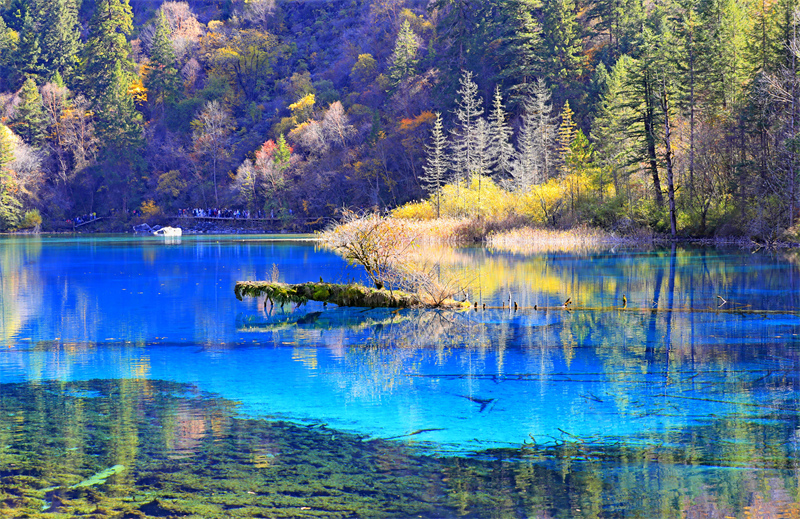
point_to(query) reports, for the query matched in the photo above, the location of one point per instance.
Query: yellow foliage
(482, 197)
(415, 211)
(149, 208)
(301, 110)
(215, 25)
(137, 89)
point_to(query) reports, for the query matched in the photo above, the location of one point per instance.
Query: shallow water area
(134, 352)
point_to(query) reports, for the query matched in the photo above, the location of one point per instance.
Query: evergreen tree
(107, 46)
(119, 124)
(29, 122)
(28, 51)
(15, 13)
(283, 153)
(621, 20)
(437, 163)
(519, 48)
(610, 131)
(60, 37)
(566, 134)
(10, 205)
(161, 80)
(563, 45)
(500, 133)
(721, 49)
(8, 45)
(403, 62)
(465, 143)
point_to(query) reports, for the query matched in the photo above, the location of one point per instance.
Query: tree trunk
(668, 160)
(650, 137)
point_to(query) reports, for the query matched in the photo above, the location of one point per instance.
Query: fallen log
(354, 295)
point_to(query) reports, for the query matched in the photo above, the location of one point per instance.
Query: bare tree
(212, 136)
(336, 125)
(78, 135)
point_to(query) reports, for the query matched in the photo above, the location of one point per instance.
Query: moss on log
(337, 294)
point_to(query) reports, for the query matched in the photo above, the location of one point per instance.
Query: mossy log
(342, 295)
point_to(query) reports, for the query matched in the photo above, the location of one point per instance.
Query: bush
(31, 220)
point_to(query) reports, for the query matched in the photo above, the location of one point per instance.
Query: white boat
(168, 231)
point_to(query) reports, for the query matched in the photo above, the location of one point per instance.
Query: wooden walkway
(76, 225)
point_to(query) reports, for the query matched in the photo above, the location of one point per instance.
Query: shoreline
(575, 237)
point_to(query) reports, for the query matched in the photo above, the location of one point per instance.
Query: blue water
(667, 369)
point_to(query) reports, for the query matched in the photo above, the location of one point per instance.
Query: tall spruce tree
(60, 38)
(119, 124)
(107, 46)
(610, 130)
(519, 48)
(29, 121)
(722, 49)
(566, 134)
(404, 59)
(10, 205)
(562, 38)
(162, 79)
(28, 51)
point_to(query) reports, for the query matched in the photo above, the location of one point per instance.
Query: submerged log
(342, 295)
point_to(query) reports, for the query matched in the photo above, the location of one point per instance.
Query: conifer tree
(501, 151)
(566, 134)
(610, 130)
(403, 62)
(28, 51)
(29, 121)
(60, 37)
(464, 143)
(107, 46)
(161, 80)
(562, 40)
(519, 48)
(621, 20)
(721, 49)
(119, 124)
(437, 162)
(283, 153)
(10, 205)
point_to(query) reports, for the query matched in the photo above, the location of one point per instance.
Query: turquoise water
(692, 386)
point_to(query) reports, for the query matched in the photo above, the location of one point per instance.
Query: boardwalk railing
(76, 225)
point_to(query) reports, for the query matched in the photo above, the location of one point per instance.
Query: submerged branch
(342, 295)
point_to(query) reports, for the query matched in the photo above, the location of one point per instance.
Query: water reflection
(679, 405)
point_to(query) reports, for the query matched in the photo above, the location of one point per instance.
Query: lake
(134, 384)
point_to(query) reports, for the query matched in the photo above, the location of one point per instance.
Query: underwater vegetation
(136, 448)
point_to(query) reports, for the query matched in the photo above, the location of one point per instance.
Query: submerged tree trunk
(342, 295)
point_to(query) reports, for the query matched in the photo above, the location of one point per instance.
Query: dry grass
(528, 240)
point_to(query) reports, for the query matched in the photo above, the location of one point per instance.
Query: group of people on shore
(86, 218)
(225, 213)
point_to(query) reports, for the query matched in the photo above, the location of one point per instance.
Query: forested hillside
(674, 115)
